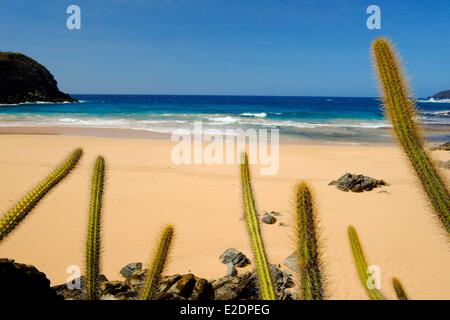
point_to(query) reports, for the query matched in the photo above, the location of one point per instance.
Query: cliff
(441, 95)
(22, 79)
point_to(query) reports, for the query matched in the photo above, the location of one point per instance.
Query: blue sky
(242, 47)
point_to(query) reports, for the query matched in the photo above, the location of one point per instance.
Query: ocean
(324, 118)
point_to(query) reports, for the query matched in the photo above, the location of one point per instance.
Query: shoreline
(121, 133)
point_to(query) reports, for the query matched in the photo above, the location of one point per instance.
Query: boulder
(233, 258)
(357, 183)
(186, 287)
(23, 282)
(130, 268)
(245, 286)
(267, 218)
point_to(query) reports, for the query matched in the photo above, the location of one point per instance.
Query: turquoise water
(330, 118)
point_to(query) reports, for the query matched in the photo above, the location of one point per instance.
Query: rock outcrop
(184, 287)
(21, 282)
(441, 95)
(245, 286)
(234, 258)
(22, 79)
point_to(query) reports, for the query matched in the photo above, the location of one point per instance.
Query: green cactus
(361, 264)
(252, 223)
(157, 264)
(14, 216)
(399, 291)
(401, 111)
(94, 228)
(308, 255)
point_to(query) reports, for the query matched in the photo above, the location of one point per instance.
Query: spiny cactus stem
(399, 290)
(251, 220)
(94, 229)
(401, 111)
(311, 284)
(361, 264)
(14, 216)
(157, 264)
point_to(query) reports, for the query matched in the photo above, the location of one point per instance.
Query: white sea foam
(256, 115)
(36, 102)
(432, 100)
(223, 120)
(444, 113)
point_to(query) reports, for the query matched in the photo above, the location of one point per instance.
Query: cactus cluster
(14, 216)
(267, 291)
(157, 263)
(401, 111)
(308, 255)
(94, 228)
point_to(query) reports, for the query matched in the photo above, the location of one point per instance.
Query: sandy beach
(145, 190)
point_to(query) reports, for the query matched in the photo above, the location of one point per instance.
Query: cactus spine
(399, 291)
(252, 223)
(14, 216)
(311, 284)
(157, 264)
(94, 226)
(361, 264)
(401, 111)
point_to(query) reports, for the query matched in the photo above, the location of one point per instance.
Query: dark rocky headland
(22, 79)
(441, 95)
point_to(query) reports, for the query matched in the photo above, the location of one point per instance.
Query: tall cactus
(157, 264)
(94, 228)
(401, 111)
(361, 264)
(399, 291)
(310, 274)
(252, 223)
(14, 216)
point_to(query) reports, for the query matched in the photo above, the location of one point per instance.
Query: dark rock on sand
(22, 79)
(175, 287)
(443, 147)
(23, 282)
(233, 258)
(187, 287)
(267, 218)
(245, 286)
(130, 268)
(357, 183)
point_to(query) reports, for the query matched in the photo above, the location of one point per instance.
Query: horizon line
(222, 95)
